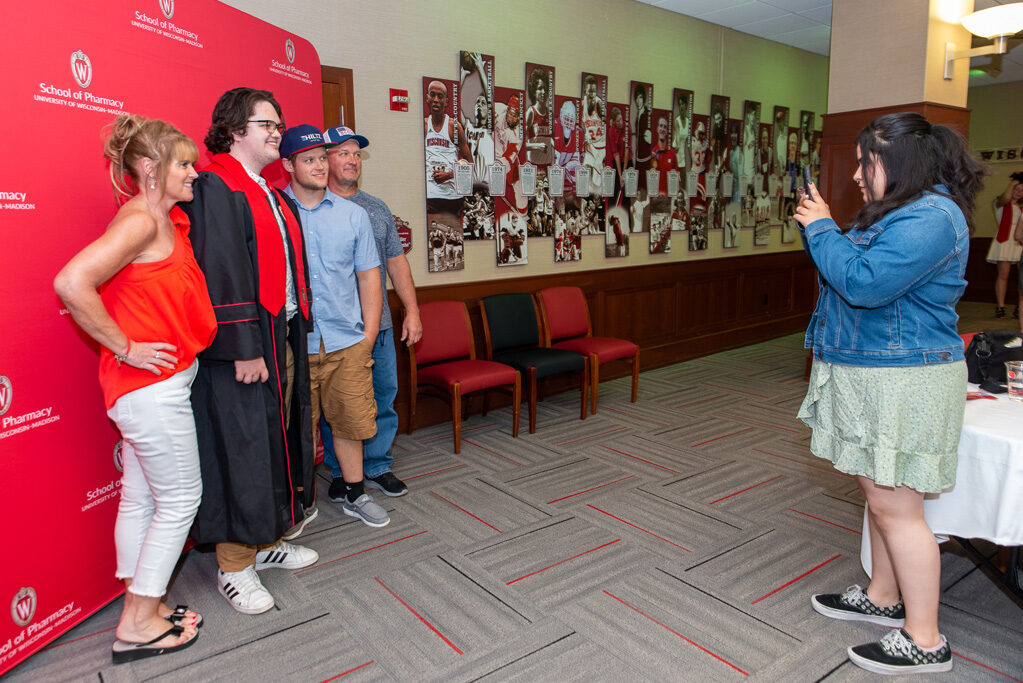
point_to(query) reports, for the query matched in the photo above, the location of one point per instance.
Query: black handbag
(987, 354)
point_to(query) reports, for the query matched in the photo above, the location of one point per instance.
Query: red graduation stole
(269, 247)
(1004, 223)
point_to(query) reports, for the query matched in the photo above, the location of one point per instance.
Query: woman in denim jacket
(888, 386)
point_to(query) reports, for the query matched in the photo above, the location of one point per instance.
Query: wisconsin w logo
(289, 51)
(23, 607)
(81, 68)
(6, 394)
(167, 7)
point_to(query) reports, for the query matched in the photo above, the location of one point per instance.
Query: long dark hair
(915, 155)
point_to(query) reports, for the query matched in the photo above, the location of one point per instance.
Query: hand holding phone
(806, 183)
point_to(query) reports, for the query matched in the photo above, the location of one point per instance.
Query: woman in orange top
(139, 293)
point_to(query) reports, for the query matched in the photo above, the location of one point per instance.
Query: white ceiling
(806, 24)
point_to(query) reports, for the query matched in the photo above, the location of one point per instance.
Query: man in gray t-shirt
(345, 169)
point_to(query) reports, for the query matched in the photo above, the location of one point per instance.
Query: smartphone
(806, 182)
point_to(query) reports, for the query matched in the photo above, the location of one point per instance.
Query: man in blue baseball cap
(344, 269)
(345, 160)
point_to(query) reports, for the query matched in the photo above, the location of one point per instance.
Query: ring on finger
(156, 355)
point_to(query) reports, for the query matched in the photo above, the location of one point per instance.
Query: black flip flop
(179, 614)
(123, 652)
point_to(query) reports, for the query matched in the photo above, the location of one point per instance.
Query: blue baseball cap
(300, 138)
(339, 134)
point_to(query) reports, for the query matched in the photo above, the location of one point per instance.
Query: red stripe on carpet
(610, 431)
(443, 469)
(717, 438)
(799, 512)
(324, 564)
(765, 481)
(985, 666)
(673, 631)
(806, 464)
(465, 511)
(645, 531)
(473, 443)
(594, 488)
(567, 559)
(419, 616)
(334, 678)
(74, 640)
(638, 417)
(801, 576)
(636, 457)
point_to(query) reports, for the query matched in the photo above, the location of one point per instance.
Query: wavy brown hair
(133, 137)
(916, 156)
(231, 115)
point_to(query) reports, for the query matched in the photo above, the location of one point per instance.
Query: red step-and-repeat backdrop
(69, 67)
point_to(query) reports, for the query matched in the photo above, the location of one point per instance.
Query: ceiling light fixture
(997, 23)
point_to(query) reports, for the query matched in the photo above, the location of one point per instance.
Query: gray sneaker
(366, 509)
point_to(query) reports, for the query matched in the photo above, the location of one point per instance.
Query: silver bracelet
(123, 357)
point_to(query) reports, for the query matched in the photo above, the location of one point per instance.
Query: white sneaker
(244, 591)
(286, 556)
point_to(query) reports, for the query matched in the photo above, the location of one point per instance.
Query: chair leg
(594, 382)
(531, 375)
(486, 402)
(516, 403)
(584, 385)
(456, 415)
(635, 375)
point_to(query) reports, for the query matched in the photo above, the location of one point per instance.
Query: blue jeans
(376, 451)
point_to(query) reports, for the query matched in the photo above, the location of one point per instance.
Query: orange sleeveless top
(158, 301)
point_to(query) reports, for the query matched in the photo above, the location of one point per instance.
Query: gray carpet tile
(678, 538)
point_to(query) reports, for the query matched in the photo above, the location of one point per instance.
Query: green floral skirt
(896, 425)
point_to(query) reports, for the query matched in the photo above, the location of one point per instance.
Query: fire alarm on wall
(399, 100)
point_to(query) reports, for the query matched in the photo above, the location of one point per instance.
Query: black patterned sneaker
(898, 655)
(854, 605)
(999, 311)
(388, 483)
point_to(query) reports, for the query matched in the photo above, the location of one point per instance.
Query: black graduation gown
(252, 467)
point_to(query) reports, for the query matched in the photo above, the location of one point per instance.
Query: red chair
(566, 322)
(444, 362)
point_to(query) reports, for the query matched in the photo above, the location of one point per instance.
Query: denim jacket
(888, 293)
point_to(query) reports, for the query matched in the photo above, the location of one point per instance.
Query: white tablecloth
(987, 499)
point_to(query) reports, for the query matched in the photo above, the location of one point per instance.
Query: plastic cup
(1014, 379)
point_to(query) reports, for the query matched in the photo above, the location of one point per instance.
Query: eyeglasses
(268, 125)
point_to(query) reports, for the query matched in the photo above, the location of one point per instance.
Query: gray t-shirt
(388, 242)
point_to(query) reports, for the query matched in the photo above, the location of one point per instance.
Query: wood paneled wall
(981, 275)
(674, 311)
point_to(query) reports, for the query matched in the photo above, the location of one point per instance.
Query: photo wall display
(538, 149)
(616, 205)
(564, 177)
(475, 105)
(509, 206)
(512, 163)
(641, 99)
(697, 181)
(448, 174)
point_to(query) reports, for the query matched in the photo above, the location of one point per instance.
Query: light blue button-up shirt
(339, 243)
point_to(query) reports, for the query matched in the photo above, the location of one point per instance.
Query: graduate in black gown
(251, 396)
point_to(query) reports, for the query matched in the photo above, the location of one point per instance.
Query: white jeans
(161, 485)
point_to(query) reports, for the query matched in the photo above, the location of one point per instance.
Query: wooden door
(338, 97)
